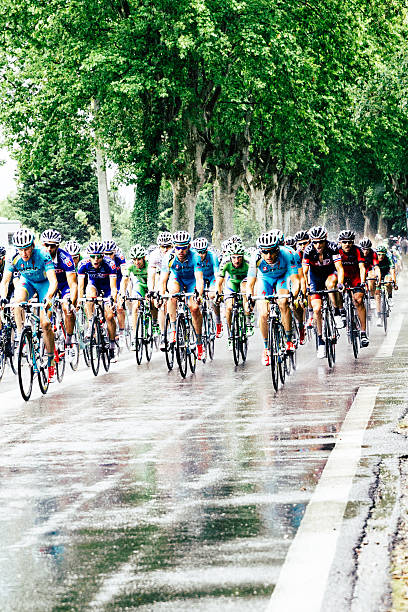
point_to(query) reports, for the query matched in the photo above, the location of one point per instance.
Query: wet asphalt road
(140, 490)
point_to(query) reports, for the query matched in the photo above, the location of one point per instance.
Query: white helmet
(200, 244)
(181, 238)
(270, 240)
(72, 247)
(164, 239)
(318, 232)
(110, 246)
(51, 236)
(137, 252)
(23, 238)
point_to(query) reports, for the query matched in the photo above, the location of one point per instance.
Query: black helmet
(346, 235)
(366, 243)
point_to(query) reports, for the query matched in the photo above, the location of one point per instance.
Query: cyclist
(111, 250)
(73, 248)
(181, 268)
(370, 262)
(302, 240)
(102, 276)
(209, 265)
(273, 268)
(354, 276)
(37, 275)
(137, 274)
(67, 280)
(235, 268)
(322, 269)
(297, 284)
(385, 271)
(164, 245)
(290, 241)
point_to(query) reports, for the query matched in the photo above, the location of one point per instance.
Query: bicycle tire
(328, 338)
(211, 333)
(3, 353)
(273, 354)
(128, 332)
(355, 336)
(42, 364)
(281, 354)
(74, 362)
(60, 352)
(95, 346)
(139, 337)
(243, 341)
(25, 364)
(148, 335)
(205, 335)
(192, 347)
(169, 346)
(181, 345)
(384, 313)
(235, 337)
(105, 343)
(12, 350)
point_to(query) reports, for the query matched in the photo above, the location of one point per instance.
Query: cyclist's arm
(363, 272)
(250, 285)
(151, 278)
(7, 276)
(199, 282)
(113, 287)
(81, 285)
(124, 285)
(164, 277)
(220, 284)
(73, 286)
(340, 272)
(52, 279)
(378, 273)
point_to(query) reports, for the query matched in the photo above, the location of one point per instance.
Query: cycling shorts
(352, 281)
(139, 290)
(270, 286)
(41, 288)
(106, 289)
(64, 291)
(318, 283)
(187, 287)
(233, 286)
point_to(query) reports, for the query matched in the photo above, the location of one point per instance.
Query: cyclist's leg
(90, 292)
(358, 298)
(23, 292)
(195, 312)
(69, 313)
(388, 286)
(48, 333)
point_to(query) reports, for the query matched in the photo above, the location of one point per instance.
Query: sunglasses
(96, 256)
(303, 243)
(202, 251)
(319, 241)
(268, 251)
(108, 252)
(182, 248)
(48, 244)
(347, 242)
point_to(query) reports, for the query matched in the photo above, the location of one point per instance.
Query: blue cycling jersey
(98, 277)
(182, 271)
(286, 264)
(119, 261)
(35, 269)
(209, 266)
(63, 263)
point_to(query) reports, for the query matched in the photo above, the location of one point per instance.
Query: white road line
(387, 347)
(302, 580)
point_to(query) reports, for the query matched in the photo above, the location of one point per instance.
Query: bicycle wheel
(169, 346)
(105, 344)
(3, 353)
(148, 336)
(139, 337)
(273, 354)
(42, 365)
(355, 336)
(128, 332)
(205, 335)
(60, 353)
(243, 341)
(192, 347)
(328, 338)
(25, 369)
(211, 335)
(95, 347)
(235, 337)
(74, 361)
(368, 313)
(281, 354)
(384, 310)
(11, 348)
(181, 344)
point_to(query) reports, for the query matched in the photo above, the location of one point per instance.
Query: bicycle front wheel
(3, 340)
(181, 345)
(95, 346)
(105, 348)
(243, 341)
(281, 354)
(169, 346)
(273, 354)
(211, 336)
(384, 311)
(192, 347)
(148, 336)
(139, 338)
(355, 336)
(60, 353)
(42, 365)
(235, 337)
(25, 369)
(328, 338)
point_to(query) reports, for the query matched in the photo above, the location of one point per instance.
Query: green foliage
(245, 224)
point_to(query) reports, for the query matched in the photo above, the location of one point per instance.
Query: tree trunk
(226, 184)
(103, 196)
(145, 214)
(255, 189)
(382, 228)
(370, 224)
(186, 186)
